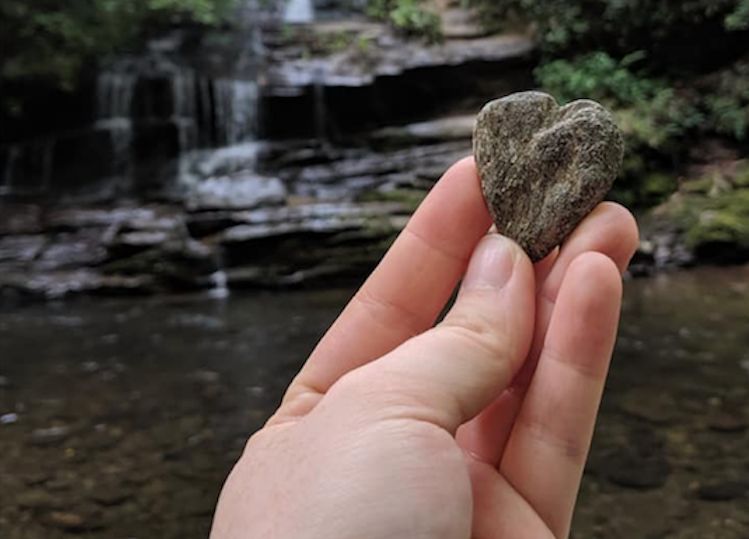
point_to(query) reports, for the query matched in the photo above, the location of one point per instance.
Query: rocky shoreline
(315, 217)
(300, 176)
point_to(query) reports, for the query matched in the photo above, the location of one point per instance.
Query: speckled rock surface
(544, 167)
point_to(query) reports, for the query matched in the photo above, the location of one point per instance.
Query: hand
(396, 428)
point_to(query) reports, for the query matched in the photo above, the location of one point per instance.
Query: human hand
(478, 427)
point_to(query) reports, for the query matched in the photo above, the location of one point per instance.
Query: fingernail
(492, 263)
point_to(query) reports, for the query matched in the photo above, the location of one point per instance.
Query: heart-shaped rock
(544, 167)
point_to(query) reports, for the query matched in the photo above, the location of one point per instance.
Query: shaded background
(191, 190)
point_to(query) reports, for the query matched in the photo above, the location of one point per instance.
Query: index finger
(411, 285)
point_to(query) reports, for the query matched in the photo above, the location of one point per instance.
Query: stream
(121, 417)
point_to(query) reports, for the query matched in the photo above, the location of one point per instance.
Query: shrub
(407, 16)
(52, 41)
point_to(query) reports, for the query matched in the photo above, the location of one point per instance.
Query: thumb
(450, 373)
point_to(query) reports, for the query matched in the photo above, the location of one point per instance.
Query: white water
(114, 95)
(114, 107)
(299, 12)
(235, 105)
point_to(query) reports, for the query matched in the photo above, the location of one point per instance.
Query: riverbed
(120, 417)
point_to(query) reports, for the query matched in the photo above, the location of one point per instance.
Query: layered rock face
(266, 157)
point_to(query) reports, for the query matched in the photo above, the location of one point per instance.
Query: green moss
(723, 219)
(410, 198)
(658, 186)
(741, 178)
(699, 186)
(407, 16)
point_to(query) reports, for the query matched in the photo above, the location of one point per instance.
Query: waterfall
(114, 95)
(114, 105)
(299, 12)
(185, 109)
(219, 285)
(235, 104)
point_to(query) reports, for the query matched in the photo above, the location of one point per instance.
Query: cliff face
(271, 155)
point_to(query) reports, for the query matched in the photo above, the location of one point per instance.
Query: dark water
(123, 416)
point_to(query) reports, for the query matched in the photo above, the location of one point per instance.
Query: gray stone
(543, 167)
(50, 435)
(73, 522)
(722, 490)
(238, 192)
(38, 499)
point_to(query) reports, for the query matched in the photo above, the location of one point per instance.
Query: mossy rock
(718, 228)
(699, 186)
(741, 179)
(658, 186)
(410, 198)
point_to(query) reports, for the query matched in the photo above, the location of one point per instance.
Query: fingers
(448, 374)
(499, 512)
(549, 442)
(409, 288)
(611, 230)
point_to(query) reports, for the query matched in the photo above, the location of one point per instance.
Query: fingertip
(592, 289)
(597, 271)
(626, 231)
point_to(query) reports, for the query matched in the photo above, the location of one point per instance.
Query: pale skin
(477, 427)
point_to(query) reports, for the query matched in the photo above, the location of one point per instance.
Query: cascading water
(114, 95)
(114, 104)
(299, 12)
(235, 105)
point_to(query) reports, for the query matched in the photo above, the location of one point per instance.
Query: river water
(121, 417)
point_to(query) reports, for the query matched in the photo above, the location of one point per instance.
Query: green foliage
(651, 113)
(613, 25)
(739, 19)
(659, 118)
(598, 76)
(722, 219)
(52, 41)
(727, 101)
(407, 16)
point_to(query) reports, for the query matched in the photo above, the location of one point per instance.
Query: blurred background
(190, 191)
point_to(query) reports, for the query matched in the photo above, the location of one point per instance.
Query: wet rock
(39, 499)
(722, 490)
(130, 243)
(19, 218)
(395, 57)
(639, 462)
(444, 129)
(461, 24)
(650, 404)
(8, 419)
(728, 421)
(236, 192)
(75, 218)
(544, 168)
(73, 522)
(36, 477)
(110, 495)
(50, 435)
(71, 251)
(54, 285)
(632, 471)
(21, 249)
(220, 162)
(206, 377)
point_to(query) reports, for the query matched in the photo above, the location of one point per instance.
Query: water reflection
(127, 414)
